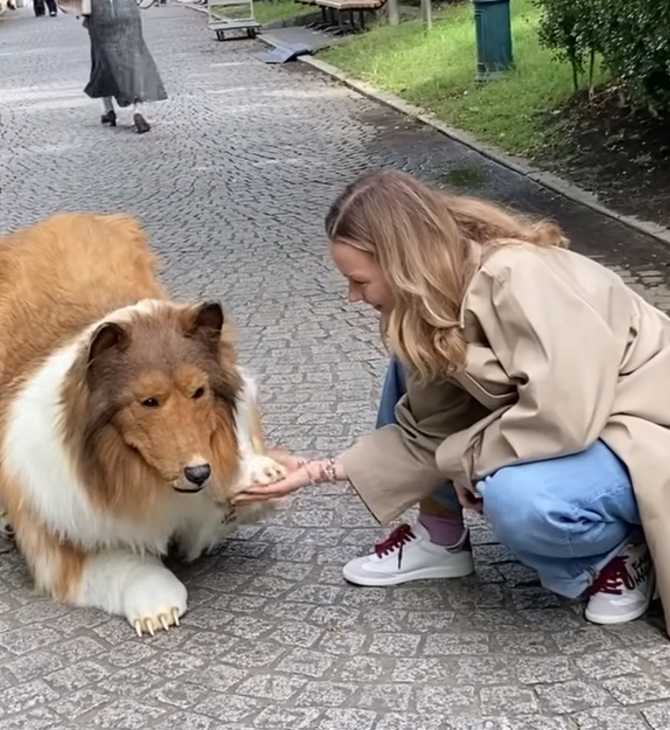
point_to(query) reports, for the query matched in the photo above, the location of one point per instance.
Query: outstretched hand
(297, 476)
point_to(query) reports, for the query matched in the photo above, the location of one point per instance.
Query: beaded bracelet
(327, 470)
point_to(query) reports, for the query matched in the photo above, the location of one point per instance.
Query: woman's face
(366, 281)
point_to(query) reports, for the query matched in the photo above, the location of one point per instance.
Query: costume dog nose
(199, 474)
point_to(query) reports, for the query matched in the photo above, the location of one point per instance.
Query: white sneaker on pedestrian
(408, 554)
(624, 588)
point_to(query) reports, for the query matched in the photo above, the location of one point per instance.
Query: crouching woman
(531, 383)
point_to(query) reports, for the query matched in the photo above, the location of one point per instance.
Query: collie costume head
(152, 398)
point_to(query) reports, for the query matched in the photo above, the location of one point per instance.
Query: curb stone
(516, 164)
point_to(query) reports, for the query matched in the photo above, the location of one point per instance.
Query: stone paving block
(658, 716)
(572, 696)
(637, 689)
(610, 719)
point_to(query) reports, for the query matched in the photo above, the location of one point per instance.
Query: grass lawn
(436, 70)
(268, 11)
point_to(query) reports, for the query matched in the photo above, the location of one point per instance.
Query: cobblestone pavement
(232, 184)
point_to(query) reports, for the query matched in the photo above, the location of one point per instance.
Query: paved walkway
(233, 184)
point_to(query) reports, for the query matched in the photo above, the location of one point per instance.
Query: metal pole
(394, 13)
(427, 13)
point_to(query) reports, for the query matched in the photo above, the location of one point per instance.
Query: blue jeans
(565, 517)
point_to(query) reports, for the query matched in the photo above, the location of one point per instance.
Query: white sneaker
(408, 554)
(624, 588)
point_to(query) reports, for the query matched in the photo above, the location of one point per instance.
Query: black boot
(109, 118)
(141, 124)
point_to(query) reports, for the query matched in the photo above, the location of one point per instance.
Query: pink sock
(444, 531)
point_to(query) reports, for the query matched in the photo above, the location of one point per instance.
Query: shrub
(631, 37)
(569, 28)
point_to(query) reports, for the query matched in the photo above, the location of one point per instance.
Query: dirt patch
(621, 154)
(464, 178)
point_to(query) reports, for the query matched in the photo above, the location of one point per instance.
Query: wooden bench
(332, 12)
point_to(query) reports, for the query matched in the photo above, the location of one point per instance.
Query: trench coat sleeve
(394, 467)
(564, 359)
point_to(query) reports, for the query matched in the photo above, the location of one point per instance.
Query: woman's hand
(469, 499)
(299, 473)
(290, 462)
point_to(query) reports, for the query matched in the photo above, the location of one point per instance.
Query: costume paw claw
(154, 601)
(150, 624)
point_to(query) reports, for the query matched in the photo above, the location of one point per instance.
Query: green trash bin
(493, 30)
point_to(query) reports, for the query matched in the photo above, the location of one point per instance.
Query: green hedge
(631, 38)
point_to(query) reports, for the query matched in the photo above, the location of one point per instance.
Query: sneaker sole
(620, 619)
(462, 570)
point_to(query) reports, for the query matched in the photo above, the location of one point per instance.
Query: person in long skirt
(41, 6)
(122, 68)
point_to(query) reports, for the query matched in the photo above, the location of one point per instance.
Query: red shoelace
(396, 540)
(614, 577)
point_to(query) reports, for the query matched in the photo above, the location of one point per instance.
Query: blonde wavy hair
(422, 239)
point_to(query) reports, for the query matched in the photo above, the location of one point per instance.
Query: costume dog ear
(204, 322)
(207, 316)
(108, 336)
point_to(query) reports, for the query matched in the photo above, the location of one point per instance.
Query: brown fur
(61, 275)
(41, 548)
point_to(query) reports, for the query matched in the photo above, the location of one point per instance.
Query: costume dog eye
(150, 403)
(198, 393)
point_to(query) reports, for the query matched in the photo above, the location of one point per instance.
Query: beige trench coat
(561, 352)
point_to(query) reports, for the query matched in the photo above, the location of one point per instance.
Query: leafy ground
(532, 112)
(620, 153)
